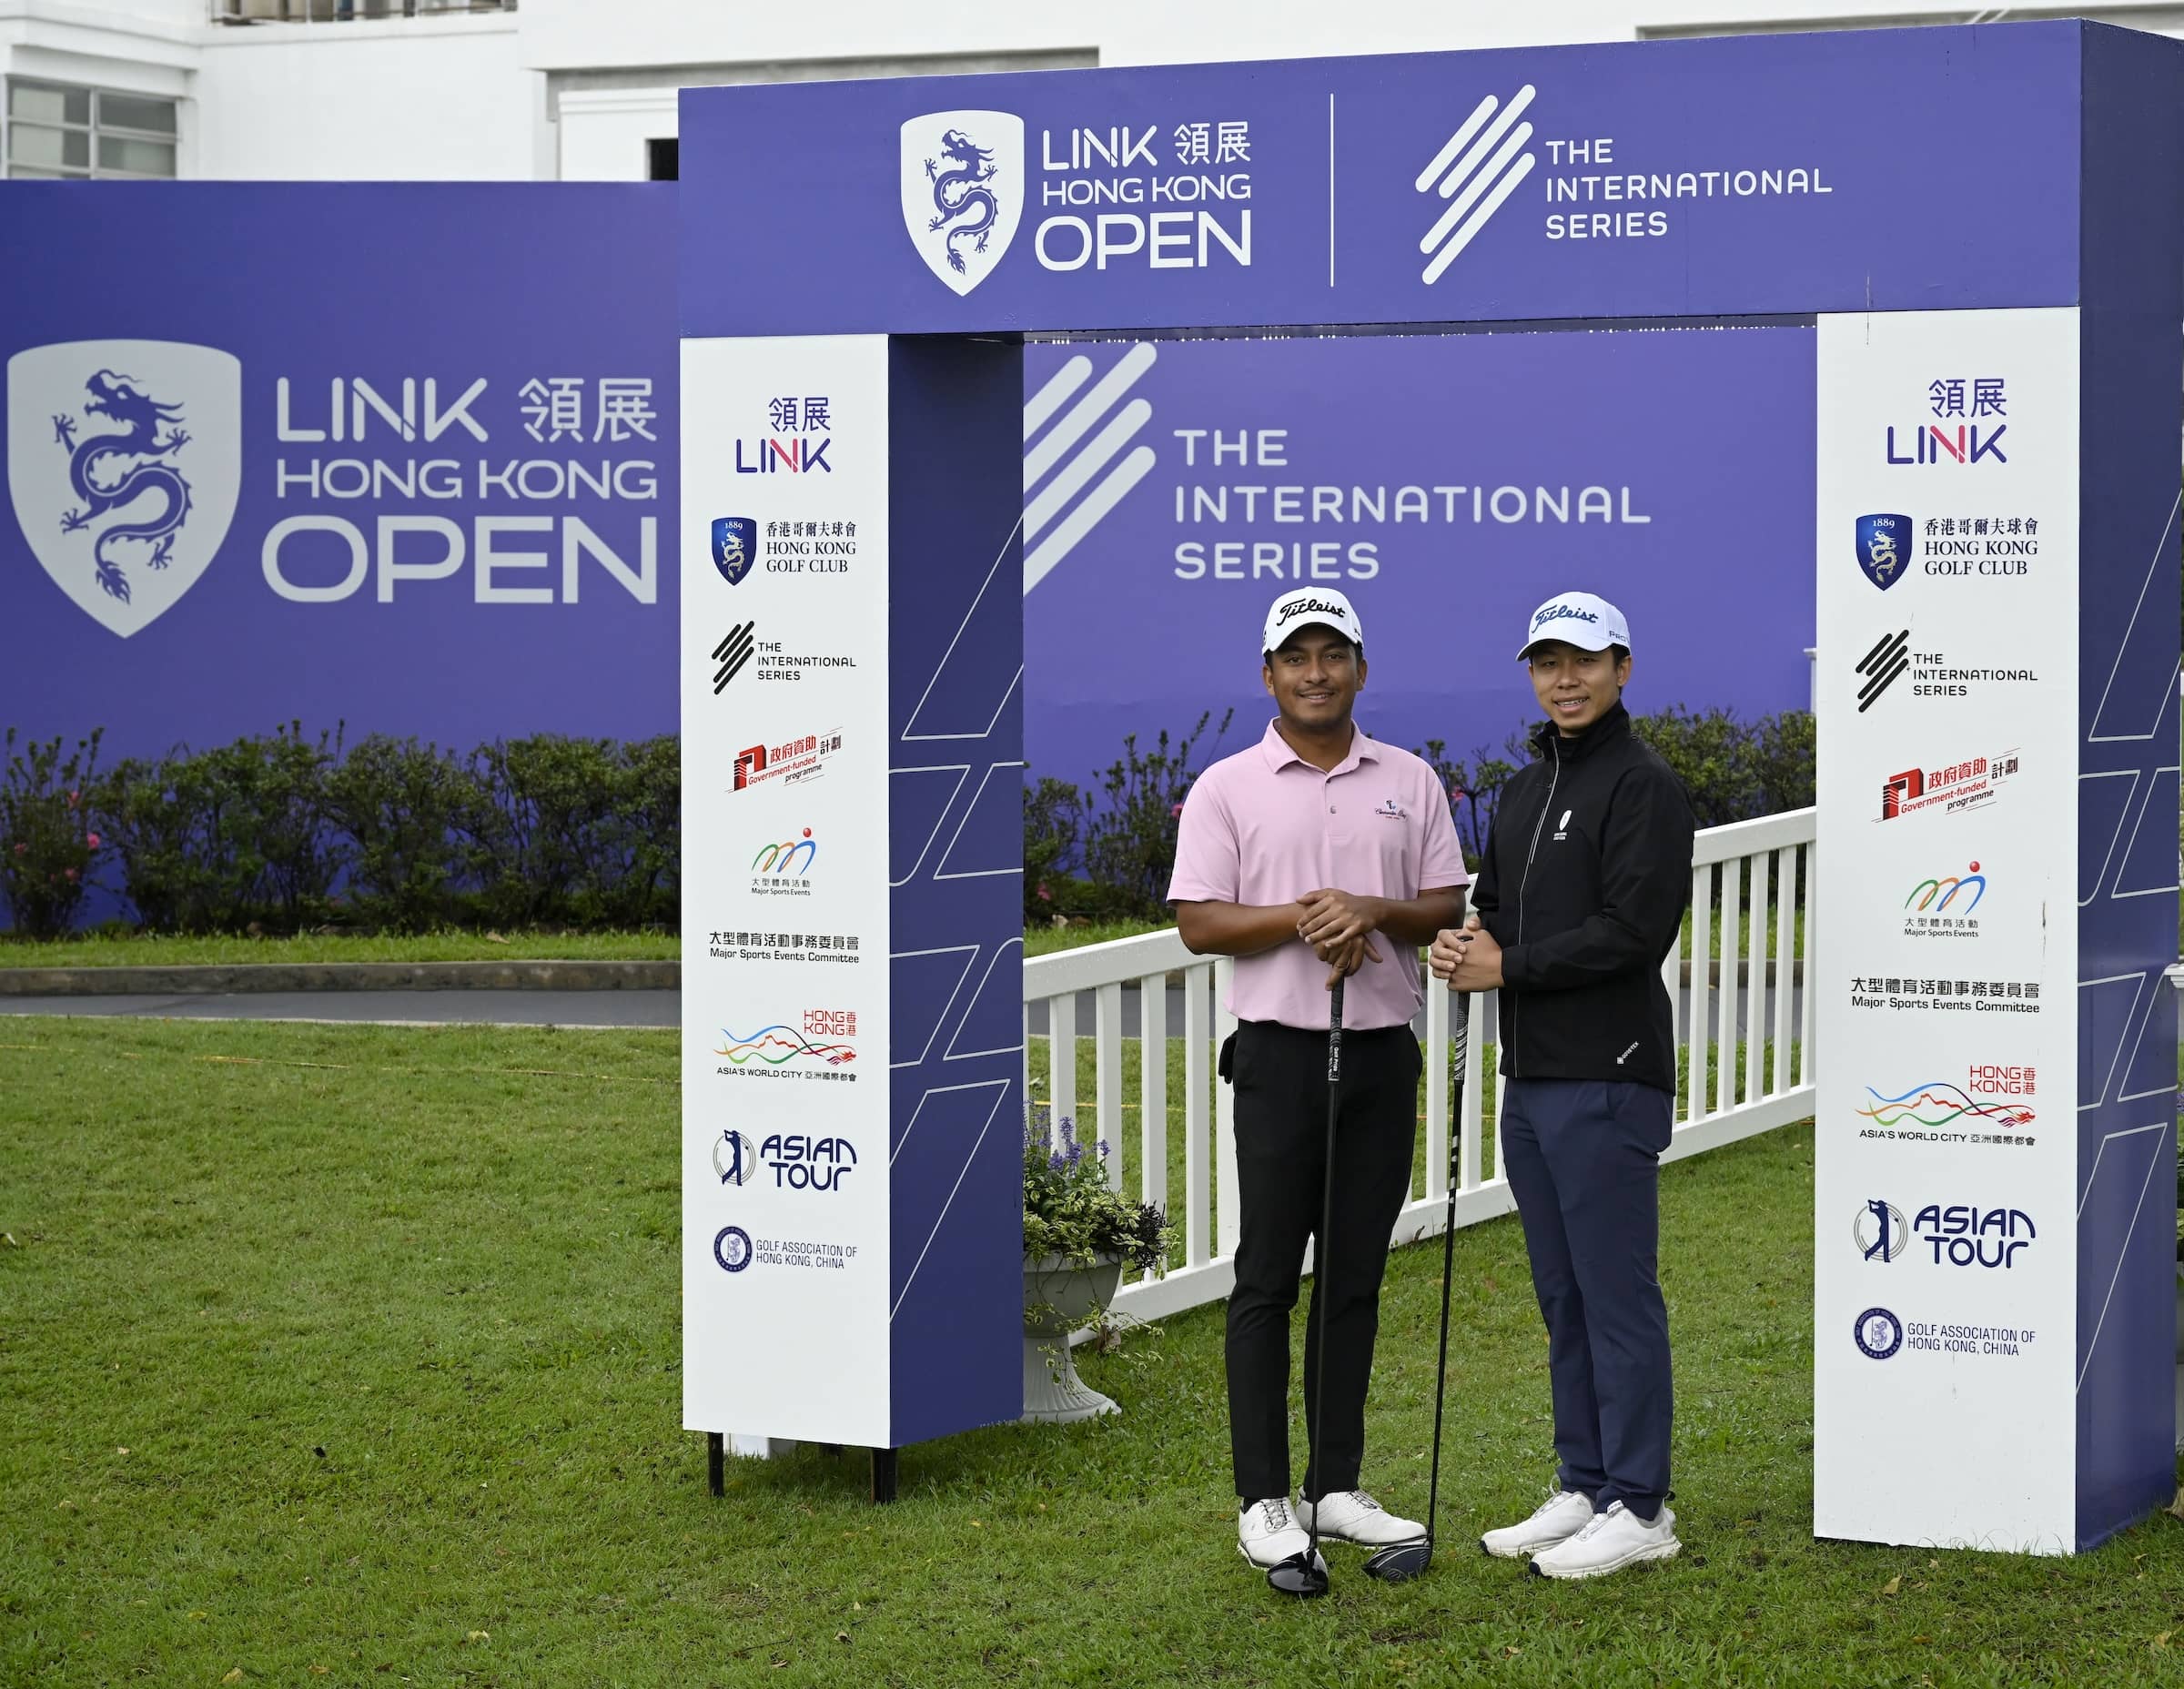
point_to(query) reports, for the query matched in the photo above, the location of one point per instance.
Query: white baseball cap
(1303, 607)
(1577, 619)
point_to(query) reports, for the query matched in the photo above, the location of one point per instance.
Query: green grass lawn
(165, 950)
(357, 1350)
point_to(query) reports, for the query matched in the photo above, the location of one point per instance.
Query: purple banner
(1772, 173)
(401, 457)
(1448, 485)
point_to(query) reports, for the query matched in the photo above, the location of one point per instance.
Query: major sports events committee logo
(1878, 1334)
(735, 546)
(1476, 169)
(123, 462)
(1885, 544)
(963, 191)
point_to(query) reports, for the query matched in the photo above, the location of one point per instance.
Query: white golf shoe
(1267, 1533)
(1352, 1516)
(1615, 1539)
(1556, 1519)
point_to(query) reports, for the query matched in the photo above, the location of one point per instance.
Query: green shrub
(1129, 844)
(49, 836)
(401, 805)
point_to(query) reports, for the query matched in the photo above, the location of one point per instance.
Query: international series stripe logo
(1477, 168)
(1881, 665)
(1072, 481)
(730, 654)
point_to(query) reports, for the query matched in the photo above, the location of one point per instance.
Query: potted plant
(1078, 1234)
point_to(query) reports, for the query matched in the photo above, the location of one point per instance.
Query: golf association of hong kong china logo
(963, 191)
(124, 461)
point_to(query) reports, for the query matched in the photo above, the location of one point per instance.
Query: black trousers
(1280, 1079)
(1583, 1161)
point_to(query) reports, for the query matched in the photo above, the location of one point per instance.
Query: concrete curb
(216, 979)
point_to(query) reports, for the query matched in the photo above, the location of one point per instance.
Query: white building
(525, 90)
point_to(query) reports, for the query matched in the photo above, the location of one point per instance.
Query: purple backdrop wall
(1448, 484)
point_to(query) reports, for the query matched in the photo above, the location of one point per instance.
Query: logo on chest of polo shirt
(1561, 827)
(1392, 810)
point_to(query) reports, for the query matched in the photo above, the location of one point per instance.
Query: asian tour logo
(1884, 545)
(123, 462)
(1879, 1231)
(963, 191)
(1476, 169)
(734, 1159)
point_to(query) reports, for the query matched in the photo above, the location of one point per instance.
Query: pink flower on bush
(1045, 895)
(73, 796)
(91, 841)
(22, 850)
(1176, 809)
(72, 873)
(1457, 793)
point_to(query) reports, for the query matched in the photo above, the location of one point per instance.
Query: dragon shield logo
(963, 191)
(1884, 546)
(124, 461)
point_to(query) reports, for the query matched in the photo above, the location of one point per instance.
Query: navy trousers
(1582, 1157)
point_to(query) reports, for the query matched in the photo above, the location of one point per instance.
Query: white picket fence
(1751, 877)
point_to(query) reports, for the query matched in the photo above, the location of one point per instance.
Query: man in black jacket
(1579, 903)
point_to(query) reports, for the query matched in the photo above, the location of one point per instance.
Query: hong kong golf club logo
(124, 461)
(1883, 548)
(1476, 169)
(963, 191)
(735, 546)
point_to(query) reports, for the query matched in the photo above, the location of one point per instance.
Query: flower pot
(1064, 1292)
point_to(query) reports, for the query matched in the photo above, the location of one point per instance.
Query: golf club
(1305, 1575)
(1403, 1561)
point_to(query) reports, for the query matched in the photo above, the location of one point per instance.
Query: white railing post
(1152, 1089)
(1107, 1074)
(1812, 940)
(1228, 1209)
(1755, 998)
(1438, 1171)
(1061, 1062)
(1197, 1147)
(1724, 1073)
(1785, 965)
(1701, 957)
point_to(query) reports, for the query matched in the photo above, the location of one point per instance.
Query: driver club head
(1302, 1574)
(1401, 1562)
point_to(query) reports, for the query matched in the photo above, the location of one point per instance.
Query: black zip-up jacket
(1587, 872)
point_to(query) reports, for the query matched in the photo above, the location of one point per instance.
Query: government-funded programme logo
(1883, 666)
(1476, 169)
(729, 655)
(1963, 1234)
(820, 1049)
(793, 763)
(1879, 1231)
(963, 191)
(733, 1159)
(735, 546)
(732, 1248)
(1974, 404)
(1952, 788)
(123, 462)
(1878, 1334)
(1884, 547)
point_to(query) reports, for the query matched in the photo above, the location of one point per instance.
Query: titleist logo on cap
(1310, 607)
(1561, 612)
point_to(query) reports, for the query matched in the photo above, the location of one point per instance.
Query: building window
(60, 132)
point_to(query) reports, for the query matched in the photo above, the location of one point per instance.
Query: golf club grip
(1334, 1034)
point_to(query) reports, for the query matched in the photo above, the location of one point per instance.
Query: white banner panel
(784, 894)
(1945, 1142)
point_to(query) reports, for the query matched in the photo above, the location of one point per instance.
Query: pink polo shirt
(1265, 826)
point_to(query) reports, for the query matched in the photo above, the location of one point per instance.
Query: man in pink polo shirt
(1315, 854)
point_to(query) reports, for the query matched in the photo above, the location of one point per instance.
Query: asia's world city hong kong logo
(1884, 546)
(963, 191)
(735, 546)
(124, 461)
